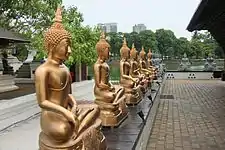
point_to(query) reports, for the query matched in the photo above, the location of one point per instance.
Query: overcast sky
(155, 14)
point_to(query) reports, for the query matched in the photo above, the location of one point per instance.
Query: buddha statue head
(125, 51)
(103, 48)
(142, 54)
(149, 55)
(57, 40)
(133, 53)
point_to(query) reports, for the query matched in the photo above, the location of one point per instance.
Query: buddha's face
(105, 53)
(136, 56)
(143, 56)
(128, 55)
(132, 55)
(62, 50)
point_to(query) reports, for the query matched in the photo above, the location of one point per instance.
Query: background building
(139, 27)
(108, 27)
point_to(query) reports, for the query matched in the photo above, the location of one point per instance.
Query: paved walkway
(193, 120)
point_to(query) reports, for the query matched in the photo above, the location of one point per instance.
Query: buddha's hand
(137, 81)
(74, 110)
(74, 121)
(82, 113)
(71, 118)
(112, 88)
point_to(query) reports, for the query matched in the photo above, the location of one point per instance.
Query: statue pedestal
(112, 117)
(133, 98)
(7, 83)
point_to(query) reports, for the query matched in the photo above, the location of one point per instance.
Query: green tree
(181, 46)
(166, 40)
(135, 38)
(84, 38)
(27, 16)
(148, 40)
(196, 48)
(115, 41)
(208, 43)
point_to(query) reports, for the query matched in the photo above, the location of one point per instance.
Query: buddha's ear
(50, 48)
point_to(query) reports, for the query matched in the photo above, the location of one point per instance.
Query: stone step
(24, 71)
(8, 88)
(6, 77)
(24, 80)
(8, 83)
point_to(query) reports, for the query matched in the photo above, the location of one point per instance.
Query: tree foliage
(167, 44)
(166, 40)
(27, 16)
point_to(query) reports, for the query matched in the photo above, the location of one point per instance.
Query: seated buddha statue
(131, 85)
(134, 69)
(109, 98)
(143, 65)
(65, 124)
(150, 64)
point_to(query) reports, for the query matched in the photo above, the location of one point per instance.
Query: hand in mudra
(112, 88)
(137, 81)
(80, 113)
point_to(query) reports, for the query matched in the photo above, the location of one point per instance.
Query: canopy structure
(210, 15)
(7, 37)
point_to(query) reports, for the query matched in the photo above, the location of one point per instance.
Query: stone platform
(190, 116)
(7, 83)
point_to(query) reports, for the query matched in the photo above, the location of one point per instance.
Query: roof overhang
(210, 15)
(11, 37)
(207, 14)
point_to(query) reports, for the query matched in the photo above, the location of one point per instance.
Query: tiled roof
(11, 36)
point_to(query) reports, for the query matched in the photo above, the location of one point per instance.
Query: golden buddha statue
(149, 60)
(111, 100)
(65, 124)
(135, 72)
(143, 65)
(131, 85)
(150, 64)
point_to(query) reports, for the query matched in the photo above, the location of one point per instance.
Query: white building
(108, 27)
(139, 27)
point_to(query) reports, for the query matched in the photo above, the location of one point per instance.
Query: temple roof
(11, 37)
(207, 14)
(210, 15)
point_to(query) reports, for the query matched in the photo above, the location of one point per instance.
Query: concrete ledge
(189, 75)
(24, 80)
(8, 88)
(143, 139)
